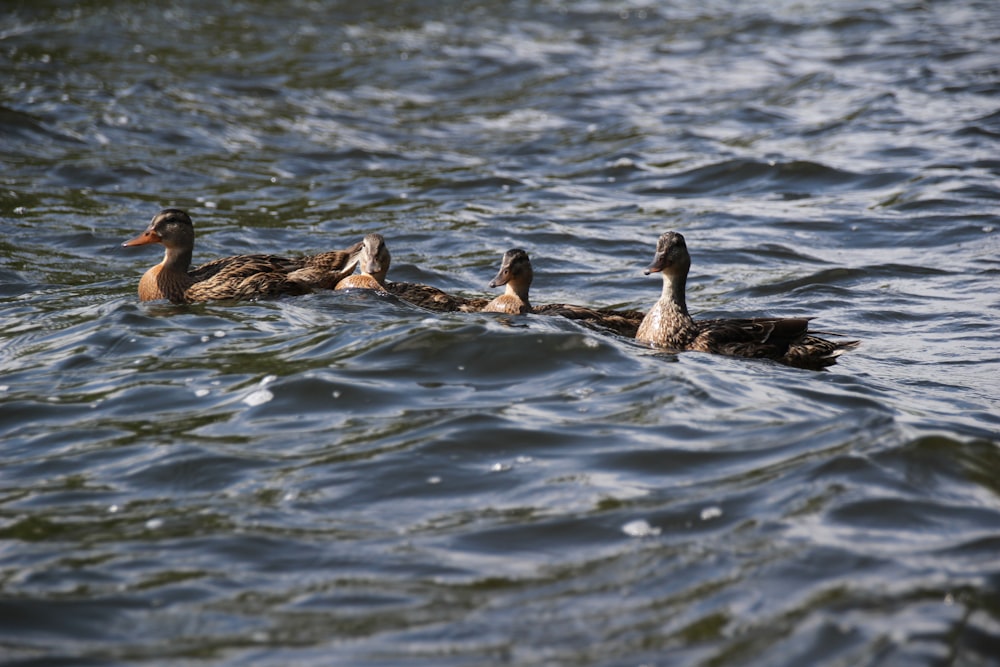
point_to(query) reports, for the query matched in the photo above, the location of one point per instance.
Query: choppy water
(345, 479)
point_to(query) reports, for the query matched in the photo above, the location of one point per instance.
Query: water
(346, 479)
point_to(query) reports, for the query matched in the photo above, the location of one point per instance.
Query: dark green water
(345, 479)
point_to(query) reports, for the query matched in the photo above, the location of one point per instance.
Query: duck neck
(177, 259)
(519, 290)
(673, 292)
(169, 280)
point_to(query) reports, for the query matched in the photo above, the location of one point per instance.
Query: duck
(230, 278)
(516, 275)
(668, 323)
(373, 260)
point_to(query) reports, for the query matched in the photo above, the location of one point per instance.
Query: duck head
(515, 270)
(172, 227)
(672, 258)
(374, 257)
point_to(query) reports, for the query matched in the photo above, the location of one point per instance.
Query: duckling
(516, 274)
(236, 277)
(668, 324)
(374, 260)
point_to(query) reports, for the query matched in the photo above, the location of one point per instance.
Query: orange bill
(148, 236)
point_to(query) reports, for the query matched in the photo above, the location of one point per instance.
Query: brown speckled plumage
(432, 298)
(622, 322)
(236, 277)
(668, 324)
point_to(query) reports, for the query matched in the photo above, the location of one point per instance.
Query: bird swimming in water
(516, 275)
(236, 277)
(668, 323)
(374, 260)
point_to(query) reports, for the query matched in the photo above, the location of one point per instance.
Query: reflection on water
(346, 478)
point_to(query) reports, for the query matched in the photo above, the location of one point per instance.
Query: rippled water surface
(343, 478)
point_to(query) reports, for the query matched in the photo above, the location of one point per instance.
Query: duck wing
(319, 271)
(816, 353)
(432, 298)
(245, 277)
(236, 287)
(622, 322)
(783, 339)
(325, 270)
(244, 266)
(755, 337)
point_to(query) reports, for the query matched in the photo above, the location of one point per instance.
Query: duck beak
(659, 263)
(147, 237)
